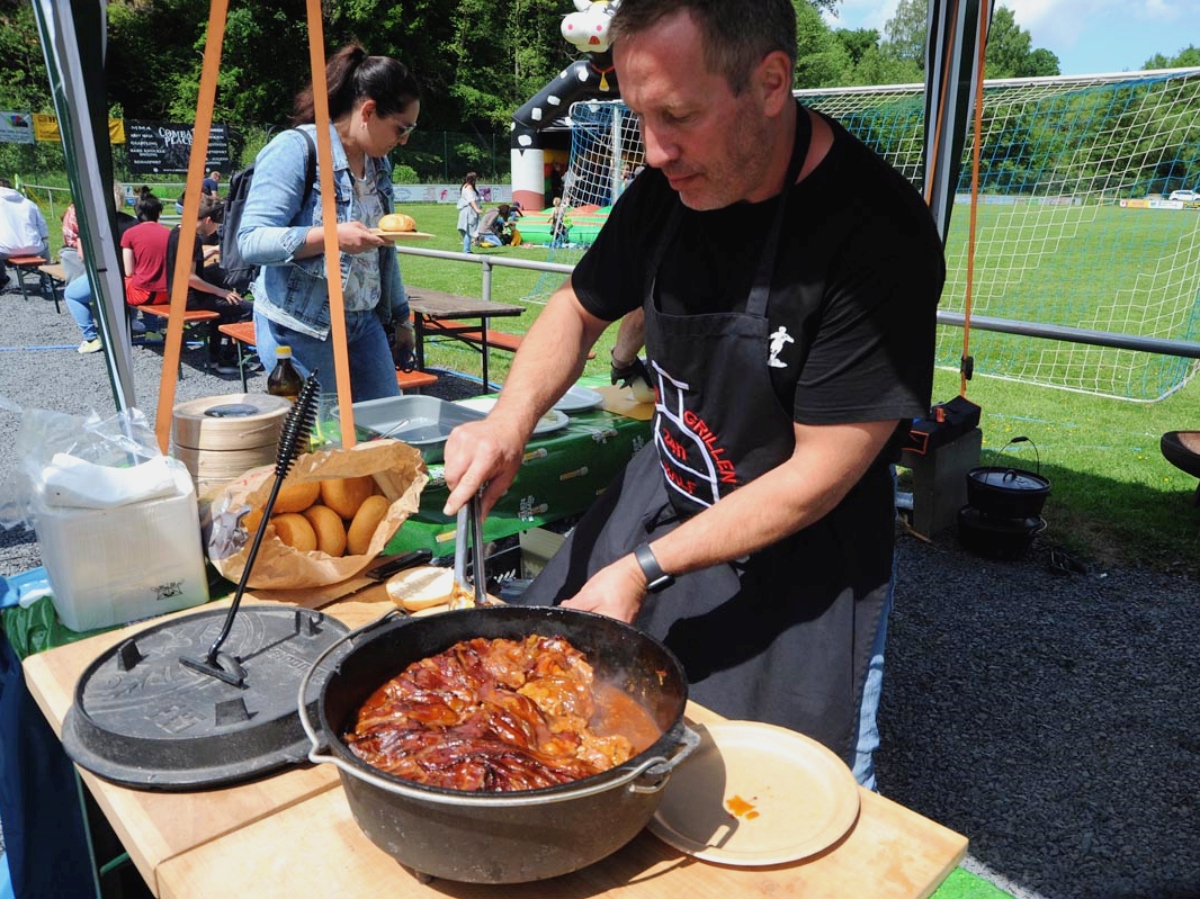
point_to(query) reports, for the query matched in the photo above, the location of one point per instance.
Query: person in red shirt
(144, 251)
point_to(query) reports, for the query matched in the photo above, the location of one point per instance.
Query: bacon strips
(489, 715)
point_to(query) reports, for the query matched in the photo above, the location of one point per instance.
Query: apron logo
(780, 339)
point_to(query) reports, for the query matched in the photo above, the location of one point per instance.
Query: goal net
(1075, 222)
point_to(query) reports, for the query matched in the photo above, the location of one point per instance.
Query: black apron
(785, 635)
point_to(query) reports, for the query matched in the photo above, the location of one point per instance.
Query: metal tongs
(469, 530)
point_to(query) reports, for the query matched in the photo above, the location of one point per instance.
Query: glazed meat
(489, 715)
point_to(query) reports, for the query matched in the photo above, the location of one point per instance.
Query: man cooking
(790, 281)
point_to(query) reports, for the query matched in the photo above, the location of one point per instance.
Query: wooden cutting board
(890, 853)
(620, 401)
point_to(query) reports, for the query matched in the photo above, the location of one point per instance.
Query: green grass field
(1114, 499)
(1103, 268)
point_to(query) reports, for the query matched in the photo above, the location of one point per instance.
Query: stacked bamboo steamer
(220, 438)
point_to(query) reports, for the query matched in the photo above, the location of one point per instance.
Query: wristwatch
(656, 578)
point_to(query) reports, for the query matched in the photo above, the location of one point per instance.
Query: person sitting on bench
(207, 284)
(78, 292)
(23, 230)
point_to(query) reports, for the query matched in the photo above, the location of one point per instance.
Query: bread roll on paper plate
(421, 588)
(397, 221)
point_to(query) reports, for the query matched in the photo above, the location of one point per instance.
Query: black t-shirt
(857, 279)
(211, 274)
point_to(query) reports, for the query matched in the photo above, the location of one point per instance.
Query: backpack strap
(310, 171)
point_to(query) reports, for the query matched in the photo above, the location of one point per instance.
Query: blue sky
(1087, 36)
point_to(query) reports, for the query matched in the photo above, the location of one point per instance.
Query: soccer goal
(1075, 223)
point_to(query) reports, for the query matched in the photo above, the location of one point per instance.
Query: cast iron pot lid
(143, 719)
(1011, 479)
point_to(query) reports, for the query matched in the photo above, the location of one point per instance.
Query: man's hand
(617, 590)
(402, 341)
(626, 373)
(478, 453)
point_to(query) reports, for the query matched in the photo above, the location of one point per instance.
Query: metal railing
(1162, 346)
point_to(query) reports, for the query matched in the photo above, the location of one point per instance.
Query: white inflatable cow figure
(588, 30)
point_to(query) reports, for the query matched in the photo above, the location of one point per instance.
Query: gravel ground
(1049, 717)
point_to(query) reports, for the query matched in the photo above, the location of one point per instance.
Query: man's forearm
(786, 499)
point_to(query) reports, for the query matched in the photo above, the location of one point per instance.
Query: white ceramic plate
(756, 794)
(579, 399)
(554, 420)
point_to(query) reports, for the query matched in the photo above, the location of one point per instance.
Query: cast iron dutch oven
(502, 837)
(997, 538)
(1003, 492)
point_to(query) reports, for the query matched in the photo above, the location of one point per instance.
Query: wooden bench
(32, 265)
(190, 317)
(500, 340)
(53, 276)
(242, 334)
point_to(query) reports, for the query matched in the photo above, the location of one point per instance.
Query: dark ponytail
(352, 75)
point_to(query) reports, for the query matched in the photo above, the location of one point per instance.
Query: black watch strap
(656, 578)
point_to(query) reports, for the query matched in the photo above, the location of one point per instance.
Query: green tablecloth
(563, 473)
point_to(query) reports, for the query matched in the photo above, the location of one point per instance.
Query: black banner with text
(157, 148)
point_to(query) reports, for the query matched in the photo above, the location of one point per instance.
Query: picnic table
(438, 312)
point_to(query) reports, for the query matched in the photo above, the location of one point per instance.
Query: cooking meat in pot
(499, 715)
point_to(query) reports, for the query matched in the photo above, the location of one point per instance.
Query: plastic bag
(82, 461)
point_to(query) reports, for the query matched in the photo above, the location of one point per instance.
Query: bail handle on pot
(1036, 454)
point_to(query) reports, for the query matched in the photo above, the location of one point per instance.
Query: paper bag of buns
(335, 512)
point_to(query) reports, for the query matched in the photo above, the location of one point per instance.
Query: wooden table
(292, 834)
(432, 305)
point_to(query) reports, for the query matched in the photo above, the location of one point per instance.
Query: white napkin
(70, 481)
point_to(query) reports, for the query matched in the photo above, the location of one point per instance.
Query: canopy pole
(172, 350)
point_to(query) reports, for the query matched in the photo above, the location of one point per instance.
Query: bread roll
(421, 588)
(330, 530)
(366, 520)
(642, 392)
(345, 495)
(296, 497)
(397, 221)
(251, 520)
(294, 530)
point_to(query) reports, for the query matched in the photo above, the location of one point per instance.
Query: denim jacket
(291, 291)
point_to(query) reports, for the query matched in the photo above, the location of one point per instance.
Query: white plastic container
(112, 566)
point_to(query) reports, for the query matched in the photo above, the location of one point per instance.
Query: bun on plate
(397, 221)
(421, 588)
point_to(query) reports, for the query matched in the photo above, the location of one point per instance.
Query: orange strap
(217, 14)
(333, 273)
(976, 151)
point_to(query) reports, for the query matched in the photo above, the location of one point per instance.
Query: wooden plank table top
(439, 304)
(432, 305)
(292, 834)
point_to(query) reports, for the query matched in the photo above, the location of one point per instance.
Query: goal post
(1076, 224)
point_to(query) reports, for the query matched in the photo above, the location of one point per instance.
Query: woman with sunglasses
(374, 102)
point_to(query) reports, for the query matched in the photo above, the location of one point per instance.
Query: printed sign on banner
(16, 128)
(45, 128)
(164, 147)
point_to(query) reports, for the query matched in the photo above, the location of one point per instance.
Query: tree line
(477, 61)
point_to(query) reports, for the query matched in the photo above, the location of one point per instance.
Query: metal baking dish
(423, 422)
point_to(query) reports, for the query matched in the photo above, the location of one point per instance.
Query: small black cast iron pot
(503, 837)
(997, 538)
(1008, 492)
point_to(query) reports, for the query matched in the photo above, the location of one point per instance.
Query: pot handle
(1022, 439)
(302, 707)
(654, 773)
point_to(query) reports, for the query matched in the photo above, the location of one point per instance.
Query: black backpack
(240, 274)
